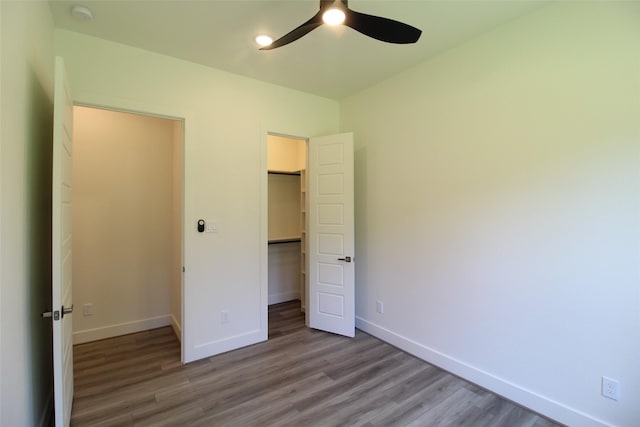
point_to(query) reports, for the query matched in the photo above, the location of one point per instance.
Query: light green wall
(497, 209)
(497, 198)
(26, 72)
(227, 118)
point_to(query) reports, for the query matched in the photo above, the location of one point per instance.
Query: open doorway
(287, 226)
(127, 223)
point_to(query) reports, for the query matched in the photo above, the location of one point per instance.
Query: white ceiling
(330, 62)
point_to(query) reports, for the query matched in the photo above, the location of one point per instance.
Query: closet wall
(127, 205)
(286, 159)
(177, 203)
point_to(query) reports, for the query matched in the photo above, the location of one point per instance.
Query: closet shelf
(284, 240)
(274, 172)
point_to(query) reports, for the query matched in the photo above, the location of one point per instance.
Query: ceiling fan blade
(383, 29)
(295, 34)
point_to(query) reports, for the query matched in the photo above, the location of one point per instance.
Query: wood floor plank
(449, 410)
(299, 377)
(271, 405)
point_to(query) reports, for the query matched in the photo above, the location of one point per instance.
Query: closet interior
(287, 167)
(127, 223)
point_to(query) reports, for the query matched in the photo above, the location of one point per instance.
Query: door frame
(264, 228)
(180, 118)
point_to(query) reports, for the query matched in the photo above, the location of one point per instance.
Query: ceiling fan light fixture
(264, 40)
(333, 16)
(336, 12)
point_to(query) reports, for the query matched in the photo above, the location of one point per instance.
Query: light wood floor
(300, 377)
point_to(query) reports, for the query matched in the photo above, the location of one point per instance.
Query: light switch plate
(211, 226)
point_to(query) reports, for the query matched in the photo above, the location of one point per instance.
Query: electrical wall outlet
(380, 307)
(224, 316)
(87, 309)
(611, 388)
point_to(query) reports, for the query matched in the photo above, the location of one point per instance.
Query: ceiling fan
(336, 12)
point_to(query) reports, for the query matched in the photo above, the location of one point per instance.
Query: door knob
(68, 310)
(58, 314)
(345, 259)
(55, 314)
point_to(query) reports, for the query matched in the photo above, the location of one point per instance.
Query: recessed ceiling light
(81, 13)
(264, 40)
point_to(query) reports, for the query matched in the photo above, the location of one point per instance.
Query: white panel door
(331, 234)
(61, 248)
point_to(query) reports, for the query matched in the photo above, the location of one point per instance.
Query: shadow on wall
(38, 166)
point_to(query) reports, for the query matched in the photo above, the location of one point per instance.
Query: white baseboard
(283, 297)
(46, 417)
(110, 331)
(177, 329)
(527, 398)
(208, 349)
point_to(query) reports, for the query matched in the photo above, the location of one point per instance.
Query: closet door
(331, 235)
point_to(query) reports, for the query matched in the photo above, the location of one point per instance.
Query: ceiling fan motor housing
(325, 4)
